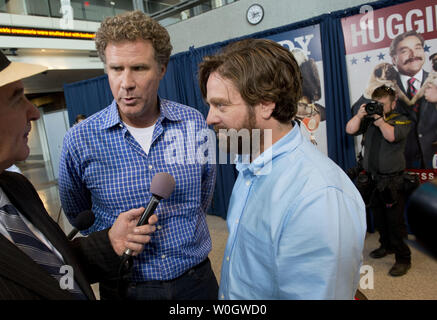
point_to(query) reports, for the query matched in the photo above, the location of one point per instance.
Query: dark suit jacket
(419, 147)
(92, 258)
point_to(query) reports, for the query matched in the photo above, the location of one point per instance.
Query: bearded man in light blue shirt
(296, 222)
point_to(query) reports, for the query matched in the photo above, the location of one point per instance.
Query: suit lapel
(402, 106)
(21, 269)
(33, 209)
(400, 84)
(425, 76)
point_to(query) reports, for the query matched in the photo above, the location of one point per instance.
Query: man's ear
(266, 109)
(163, 69)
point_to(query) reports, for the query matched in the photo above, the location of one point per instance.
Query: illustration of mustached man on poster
(306, 47)
(396, 46)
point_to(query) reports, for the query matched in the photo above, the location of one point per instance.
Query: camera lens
(374, 107)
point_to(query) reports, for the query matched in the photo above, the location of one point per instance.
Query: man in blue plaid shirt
(109, 160)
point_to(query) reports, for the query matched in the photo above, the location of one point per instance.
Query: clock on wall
(255, 14)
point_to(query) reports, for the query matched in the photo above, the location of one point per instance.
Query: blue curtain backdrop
(87, 96)
(180, 85)
(338, 111)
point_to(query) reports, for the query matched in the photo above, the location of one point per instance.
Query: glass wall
(93, 10)
(165, 11)
(185, 10)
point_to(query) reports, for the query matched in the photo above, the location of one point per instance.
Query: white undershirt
(4, 200)
(142, 135)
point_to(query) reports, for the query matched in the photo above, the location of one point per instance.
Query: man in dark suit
(408, 55)
(36, 259)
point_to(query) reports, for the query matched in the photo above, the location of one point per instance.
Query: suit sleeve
(96, 256)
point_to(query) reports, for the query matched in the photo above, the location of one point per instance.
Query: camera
(374, 107)
(363, 182)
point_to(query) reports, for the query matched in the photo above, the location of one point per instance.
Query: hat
(14, 71)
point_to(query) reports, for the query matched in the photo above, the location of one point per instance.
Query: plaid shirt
(104, 168)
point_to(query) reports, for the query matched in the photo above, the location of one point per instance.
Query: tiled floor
(419, 283)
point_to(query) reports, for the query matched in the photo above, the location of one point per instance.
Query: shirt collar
(262, 164)
(417, 84)
(167, 111)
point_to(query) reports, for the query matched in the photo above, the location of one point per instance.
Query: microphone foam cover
(162, 185)
(84, 220)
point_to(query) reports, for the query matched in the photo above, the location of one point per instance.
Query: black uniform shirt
(381, 156)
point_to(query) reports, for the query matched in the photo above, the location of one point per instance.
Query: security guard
(384, 135)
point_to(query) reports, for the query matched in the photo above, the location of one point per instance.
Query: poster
(306, 46)
(377, 53)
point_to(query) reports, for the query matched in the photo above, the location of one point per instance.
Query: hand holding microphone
(125, 233)
(161, 187)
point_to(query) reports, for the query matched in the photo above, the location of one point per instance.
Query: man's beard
(243, 140)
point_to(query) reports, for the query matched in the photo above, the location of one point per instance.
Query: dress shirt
(417, 84)
(4, 200)
(104, 168)
(296, 231)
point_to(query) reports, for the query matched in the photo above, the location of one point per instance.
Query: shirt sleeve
(209, 169)
(73, 193)
(364, 125)
(208, 184)
(319, 253)
(402, 128)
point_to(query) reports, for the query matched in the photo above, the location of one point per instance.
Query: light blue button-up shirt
(296, 227)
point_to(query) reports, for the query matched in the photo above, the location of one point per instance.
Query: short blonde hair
(132, 26)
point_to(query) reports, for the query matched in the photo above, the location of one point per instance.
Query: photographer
(384, 138)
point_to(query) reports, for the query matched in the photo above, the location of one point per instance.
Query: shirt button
(227, 258)
(420, 135)
(163, 256)
(237, 221)
(222, 297)
(150, 167)
(159, 227)
(247, 183)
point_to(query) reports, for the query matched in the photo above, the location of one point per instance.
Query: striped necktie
(26, 240)
(411, 92)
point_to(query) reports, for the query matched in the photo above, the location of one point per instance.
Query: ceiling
(65, 66)
(54, 80)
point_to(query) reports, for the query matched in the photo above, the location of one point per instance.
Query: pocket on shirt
(253, 264)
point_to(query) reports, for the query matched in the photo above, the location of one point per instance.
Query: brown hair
(384, 91)
(132, 26)
(394, 44)
(261, 70)
(80, 116)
